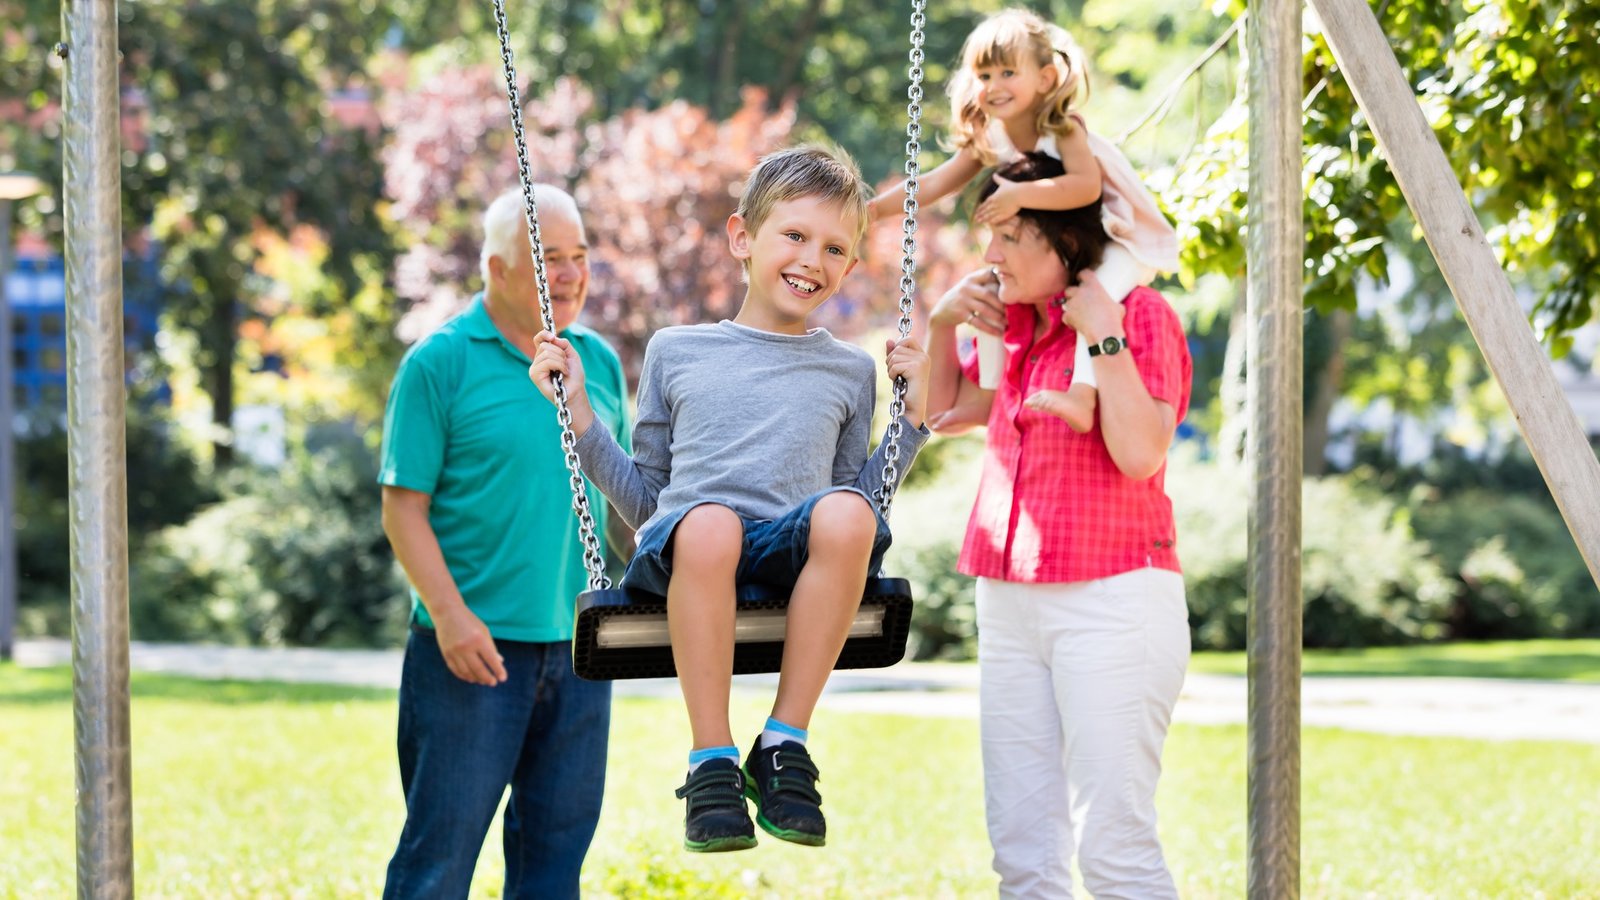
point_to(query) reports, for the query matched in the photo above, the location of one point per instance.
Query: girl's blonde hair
(1004, 39)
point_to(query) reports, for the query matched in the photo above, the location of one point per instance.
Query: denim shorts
(774, 549)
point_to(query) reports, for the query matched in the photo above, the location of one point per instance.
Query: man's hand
(468, 648)
(907, 358)
(556, 356)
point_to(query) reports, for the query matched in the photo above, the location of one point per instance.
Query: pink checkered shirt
(1052, 506)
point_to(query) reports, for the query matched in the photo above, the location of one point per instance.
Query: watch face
(1110, 345)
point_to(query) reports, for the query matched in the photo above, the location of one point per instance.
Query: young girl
(1019, 87)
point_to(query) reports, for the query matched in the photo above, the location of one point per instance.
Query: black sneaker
(782, 781)
(714, 817)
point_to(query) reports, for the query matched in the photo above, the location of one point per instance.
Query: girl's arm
(1078, 188)
(931, 187)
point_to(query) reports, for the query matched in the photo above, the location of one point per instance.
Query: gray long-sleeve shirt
(749, 419)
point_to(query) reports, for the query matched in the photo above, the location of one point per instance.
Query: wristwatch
(1111, 346)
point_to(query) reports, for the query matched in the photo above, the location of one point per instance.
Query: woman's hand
(975, 301)
(1087, 309)
(907, 358)
(556, 356)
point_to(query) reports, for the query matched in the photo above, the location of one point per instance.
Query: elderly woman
(1082, 626)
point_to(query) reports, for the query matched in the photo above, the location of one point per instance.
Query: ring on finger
(972, 315)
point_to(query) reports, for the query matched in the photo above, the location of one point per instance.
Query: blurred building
(35, 292)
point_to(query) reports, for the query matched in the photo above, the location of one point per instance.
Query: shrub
(295, 556)
(944, 622)
(1365, 578)
(1514, 569)
(930, 519)
(164, 486)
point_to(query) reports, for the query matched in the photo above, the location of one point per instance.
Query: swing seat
(622, 633)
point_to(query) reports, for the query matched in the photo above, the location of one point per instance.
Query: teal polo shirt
(466, 426)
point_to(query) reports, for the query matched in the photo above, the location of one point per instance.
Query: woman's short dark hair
(1076, 235)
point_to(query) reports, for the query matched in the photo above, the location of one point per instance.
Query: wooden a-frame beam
(1479, 284)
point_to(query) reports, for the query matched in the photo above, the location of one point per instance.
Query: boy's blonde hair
(1004, 39)
(809, 170)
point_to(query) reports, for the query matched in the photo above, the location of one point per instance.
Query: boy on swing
(750, 465)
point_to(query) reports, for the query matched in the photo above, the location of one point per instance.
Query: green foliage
(1365, 578)
(944, 623)
(226, 140)
(1514, 567)
(1502, 85)
(165, 487)
(296, 556)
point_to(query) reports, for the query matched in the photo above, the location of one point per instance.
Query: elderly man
(476, 504)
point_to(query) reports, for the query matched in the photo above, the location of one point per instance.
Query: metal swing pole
(1274, 374)
(96, 449)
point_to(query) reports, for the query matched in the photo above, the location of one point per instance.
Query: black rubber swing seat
(622, 633)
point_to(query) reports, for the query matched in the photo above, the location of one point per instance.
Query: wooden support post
(1274, 374)
(1469, 265)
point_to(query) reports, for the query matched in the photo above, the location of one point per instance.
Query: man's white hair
(505, 219)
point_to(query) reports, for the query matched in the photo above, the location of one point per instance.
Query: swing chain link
(593, 561)
(908, 247)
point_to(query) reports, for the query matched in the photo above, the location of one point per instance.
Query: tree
(226, 139)
(1503, 84)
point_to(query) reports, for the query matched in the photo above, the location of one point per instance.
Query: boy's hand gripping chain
(908, 246)
(592, 560)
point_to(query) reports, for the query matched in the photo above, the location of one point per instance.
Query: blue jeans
(543, 732)
(775, 550)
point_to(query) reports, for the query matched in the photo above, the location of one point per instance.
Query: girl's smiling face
(1012, 88)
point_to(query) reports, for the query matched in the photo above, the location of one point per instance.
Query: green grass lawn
(1577, 660)
(270, 790)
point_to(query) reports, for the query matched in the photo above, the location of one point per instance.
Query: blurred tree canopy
(227, 140)
(1509, 87)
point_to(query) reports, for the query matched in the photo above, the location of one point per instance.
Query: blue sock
(697, 757)
(775, 733)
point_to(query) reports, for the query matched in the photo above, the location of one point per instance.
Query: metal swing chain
(908, 246)
(593, 561)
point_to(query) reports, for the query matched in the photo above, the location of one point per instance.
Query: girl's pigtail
(1071, 91)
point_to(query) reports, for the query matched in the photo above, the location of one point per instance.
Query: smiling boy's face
(796, 260)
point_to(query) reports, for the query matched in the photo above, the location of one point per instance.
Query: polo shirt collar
(476, 322)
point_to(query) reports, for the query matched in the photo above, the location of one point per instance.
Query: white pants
(1078, 684)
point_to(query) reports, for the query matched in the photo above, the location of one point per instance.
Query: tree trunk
(223, 340)
(1232, 390)
(1336, 333)
(724, 86)
(786, 87)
